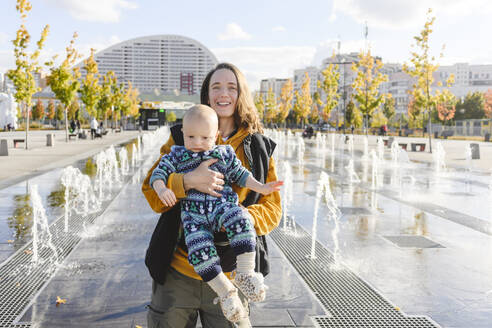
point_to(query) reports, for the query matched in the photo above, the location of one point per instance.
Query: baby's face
(199, 135)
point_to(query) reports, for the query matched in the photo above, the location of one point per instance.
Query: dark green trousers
(177, 303)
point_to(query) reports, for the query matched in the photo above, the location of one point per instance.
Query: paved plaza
(411, 253)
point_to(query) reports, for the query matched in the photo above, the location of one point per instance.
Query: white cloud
(264, 62)
(234, 32)
(405, 14)
(278, 28)
(108, 11)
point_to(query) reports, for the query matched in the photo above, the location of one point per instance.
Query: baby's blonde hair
(201, 112)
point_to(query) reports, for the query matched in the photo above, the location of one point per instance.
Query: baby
(203, 214)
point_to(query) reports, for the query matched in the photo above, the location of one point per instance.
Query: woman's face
(223, 93)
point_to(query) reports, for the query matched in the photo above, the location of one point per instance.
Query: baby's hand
(167, 197)
(270, 187)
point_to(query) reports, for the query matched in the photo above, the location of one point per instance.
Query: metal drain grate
(348, 298)
(20, 282)
(411, 241)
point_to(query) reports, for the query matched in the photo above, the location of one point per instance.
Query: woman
(178, 294)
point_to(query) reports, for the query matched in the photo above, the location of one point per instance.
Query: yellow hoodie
(266, 212)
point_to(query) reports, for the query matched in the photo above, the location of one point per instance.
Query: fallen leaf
(27, 251)
(17, 284)
(137, 326)
(10, 241)
(397, 308)
(60, 301)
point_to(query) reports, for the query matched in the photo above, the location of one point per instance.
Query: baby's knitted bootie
(231, 306)
(251, 285)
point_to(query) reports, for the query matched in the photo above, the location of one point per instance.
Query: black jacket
(258, 150)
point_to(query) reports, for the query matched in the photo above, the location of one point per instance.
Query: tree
(74, 110)
(472, 107)
(38, 112)
(415, 113)
(303, 103)
(59, 114)
(422, 68)
(26, 64)
(171, 117)
(107, 96)
(260, 105)
(285, 103)
(329, 85)
(271, 107)
(488, 103)
(63, 81)
(314, 115)
(389, 107)
(353, 117)
(51, 110)
(366, 84)
(90, 88)
(378, 119)
(446, 106)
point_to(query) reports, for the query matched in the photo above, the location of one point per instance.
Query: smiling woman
(175, 301)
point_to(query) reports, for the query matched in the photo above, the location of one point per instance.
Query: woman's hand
(204, 179)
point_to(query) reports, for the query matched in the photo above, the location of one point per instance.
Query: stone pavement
(21, 164)
(106, 284)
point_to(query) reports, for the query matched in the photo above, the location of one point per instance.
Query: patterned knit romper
(203, 214)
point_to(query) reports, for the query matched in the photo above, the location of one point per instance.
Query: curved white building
(166, 63)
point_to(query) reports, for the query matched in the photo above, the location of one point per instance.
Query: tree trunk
(27, 123)
(66, 124)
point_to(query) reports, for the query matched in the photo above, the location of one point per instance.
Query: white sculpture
(8, 111)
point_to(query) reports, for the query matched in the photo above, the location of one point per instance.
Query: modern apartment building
(314, 75)
(162, 64)
(274, 84)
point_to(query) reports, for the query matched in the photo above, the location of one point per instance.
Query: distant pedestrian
(93, 127)
(77, 122)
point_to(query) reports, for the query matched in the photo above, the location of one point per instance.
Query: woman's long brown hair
(246, 114)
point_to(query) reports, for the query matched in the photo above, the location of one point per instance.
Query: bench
(16, 141)
(385, 141)
(72, 135)
(414, 146)
(403, 145)
(117, 130)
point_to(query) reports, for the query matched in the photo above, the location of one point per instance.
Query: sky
(264, 38)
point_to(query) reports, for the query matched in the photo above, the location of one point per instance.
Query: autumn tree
(315, 113)
(63, 80)
(50, 113)
(90, 89)
(260, 105)
(422, 67)
(74, 110)
(271, 107)
(445, 106)
(107, 96)
(303, 102)
(368, 77)
(59, 114)
(329, 85)
(353, 117)
(488, 103)
(26, 64)
(132, 100)
(171, 117)
(285, 103)
(389, 107)
(38, 112)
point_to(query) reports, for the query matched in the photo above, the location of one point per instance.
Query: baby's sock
(245, 263)
(221, 285)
